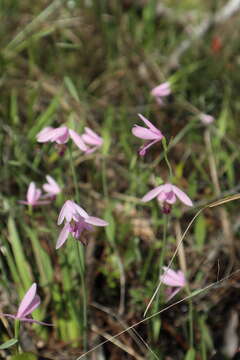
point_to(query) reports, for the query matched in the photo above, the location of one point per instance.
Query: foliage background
(94, 63)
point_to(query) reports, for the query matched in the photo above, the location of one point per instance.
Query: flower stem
(74, 174)
(16, 334)
(165, 151)
(164, 241)
(80, 260)
(81, 263)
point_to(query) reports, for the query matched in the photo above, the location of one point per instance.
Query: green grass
(73, 64)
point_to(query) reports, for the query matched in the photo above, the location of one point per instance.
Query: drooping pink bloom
(161, 91)
(173, 279)
(28, 304)
(93, 139)
(51, 187)
(61, 135)
(33, 196)
(77, 220)
(206, 119)
(167, 195)
(149, 133)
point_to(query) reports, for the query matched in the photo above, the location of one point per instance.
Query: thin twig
(195, 293)
(116, 342)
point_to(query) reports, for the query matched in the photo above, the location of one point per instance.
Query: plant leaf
(8, 344)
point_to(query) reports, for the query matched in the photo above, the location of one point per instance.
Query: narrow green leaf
(110, 229)
(19, 254)
(14, 107)
(24, 356)
(8, 344)
(41, 257)
(190, 354)
(156, 328)
(71, 88)
(200, 231)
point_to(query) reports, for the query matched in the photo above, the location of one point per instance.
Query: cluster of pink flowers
(88, 142)
(34, 195)
(76, 220)
(166, 194)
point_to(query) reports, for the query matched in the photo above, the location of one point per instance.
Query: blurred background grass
(94, 63)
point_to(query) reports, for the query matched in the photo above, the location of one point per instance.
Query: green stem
(16, 334)
(81, 263)
(164, 241)
(104, 180)
(74, 174)
(80, 260)
(165, 151)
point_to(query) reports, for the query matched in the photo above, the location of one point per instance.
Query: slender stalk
(164, 241)
(80, 257)
(190, 315)
(81, 263)
(16, 335)
(165, 151)
(74, 174)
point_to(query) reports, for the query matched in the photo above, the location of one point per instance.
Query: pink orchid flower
(51, 187)
(77, 220)
(33, 196)
(161, 91)
(91, 138)
(174, 279)
(149, 133)
(28, 304)
(167, 195)
(61, 135)
(206, 119)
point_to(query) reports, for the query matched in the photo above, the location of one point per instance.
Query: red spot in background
(216, 44)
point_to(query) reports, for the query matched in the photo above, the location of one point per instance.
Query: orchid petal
(173, 294)
(52, 186)
(77, 139)
(142, 150)
(182, 196)
(170, 197)
(161, 90)
(80, 211)
(206, 119)
(144, 133)
(63, 235)
(45, 134)
(96, 221)
(67, 211)
(27, 299)
(35, 321)
(31, 193)
(31, 307)
(149, 124)
(91, 132)
(153, 193)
